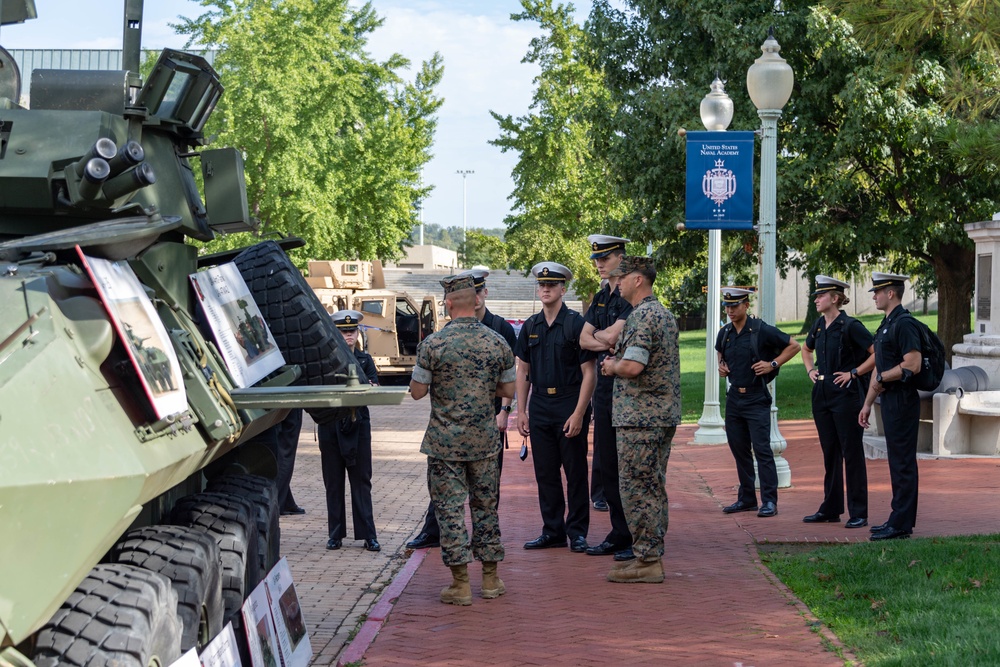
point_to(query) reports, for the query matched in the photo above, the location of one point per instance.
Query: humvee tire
(119, 615)
(191, 560)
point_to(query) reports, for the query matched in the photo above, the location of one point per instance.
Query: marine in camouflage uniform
(646, 411)
(462, 367)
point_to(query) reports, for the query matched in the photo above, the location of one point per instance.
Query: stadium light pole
(769, 82)
(464, 173)
(716, 115)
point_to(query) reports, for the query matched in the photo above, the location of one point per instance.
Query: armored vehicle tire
(229, 521)
(190, 559)
(263, 493)
(301, 327)
(118, 615)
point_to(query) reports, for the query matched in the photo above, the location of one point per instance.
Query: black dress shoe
(879, 528)
(295, 509)
(605, 548)
(739, 506)
(767, 509)
(578, 544)
(547, 542)
(372, 545)
(423, 541)
(601, 505)
(891, 533)
(333, 544)
(857, 522)
(624, 554)
(819, 517)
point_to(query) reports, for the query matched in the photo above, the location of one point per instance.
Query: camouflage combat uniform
(463, 364)
(647, 409)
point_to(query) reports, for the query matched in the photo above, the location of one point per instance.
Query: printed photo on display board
(140, 328)
(243, 338)
(293, 638)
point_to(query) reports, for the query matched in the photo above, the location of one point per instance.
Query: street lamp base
(778, 445)
(711, 427)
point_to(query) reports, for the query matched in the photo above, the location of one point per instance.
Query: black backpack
(755, 323)
(933, 363)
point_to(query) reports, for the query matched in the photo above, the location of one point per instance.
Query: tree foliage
(864, 170)
(333, 140)
(562, 190)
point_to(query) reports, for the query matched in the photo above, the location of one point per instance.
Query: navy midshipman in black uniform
(897, 358)
(561, 377)
(345, 446)
(748, 401)
(843, 348)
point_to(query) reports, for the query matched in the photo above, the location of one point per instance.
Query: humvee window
(374, 306)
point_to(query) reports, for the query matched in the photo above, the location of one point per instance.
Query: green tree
(863, 171)
(333, 140)
(562, 191)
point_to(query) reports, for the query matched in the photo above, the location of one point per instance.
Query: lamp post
(769, 82)
(716, 114)
(464, 173)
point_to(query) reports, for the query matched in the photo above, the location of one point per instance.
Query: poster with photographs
(222, 651)
(261, 637)
(145, 337)
(293, 638)
(241, 334)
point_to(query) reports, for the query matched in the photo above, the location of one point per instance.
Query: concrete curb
(355, 651)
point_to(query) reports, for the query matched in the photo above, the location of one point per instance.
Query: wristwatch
(774, 364)
(878, 378)
(505, 408)
(854, 372)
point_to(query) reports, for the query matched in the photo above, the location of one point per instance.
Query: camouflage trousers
(642, 470)
(450, 483)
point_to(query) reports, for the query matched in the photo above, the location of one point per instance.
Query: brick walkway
(718, 605)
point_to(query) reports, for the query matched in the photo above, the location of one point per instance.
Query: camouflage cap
(634, 264)
(456, 283)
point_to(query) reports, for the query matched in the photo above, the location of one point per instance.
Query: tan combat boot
(492, 584)
(638, 572)
(460, 592)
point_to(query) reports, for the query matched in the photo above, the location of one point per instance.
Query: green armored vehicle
(137, 509)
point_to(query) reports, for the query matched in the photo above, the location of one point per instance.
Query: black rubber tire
(301, 327)
(230, 521)
(263, 493)
(119, 615)
(190, 559)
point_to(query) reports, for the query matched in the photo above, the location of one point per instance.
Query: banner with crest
(719, 180)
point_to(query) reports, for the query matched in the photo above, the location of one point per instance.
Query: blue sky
(482, 50)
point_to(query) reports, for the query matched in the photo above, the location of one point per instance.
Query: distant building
(428, 258)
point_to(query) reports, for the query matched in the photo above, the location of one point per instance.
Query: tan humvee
(394, 323)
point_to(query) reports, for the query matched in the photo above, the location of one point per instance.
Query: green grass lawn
(793, 387)
(929, 601)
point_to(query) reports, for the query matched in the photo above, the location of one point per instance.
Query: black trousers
(841, 439)
(360, 476)
(901, 419)
(431, 526)
(606, 446)
(285, 446)
(748, 429)
(551, 450)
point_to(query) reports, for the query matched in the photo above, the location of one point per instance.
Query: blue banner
(719, 180)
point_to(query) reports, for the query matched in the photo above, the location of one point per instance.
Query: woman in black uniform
(346, 446)
(844, 353)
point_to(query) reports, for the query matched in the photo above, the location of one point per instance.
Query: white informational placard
(189, 659)
(242, 336)
(222, 651)
(142, 331)
(259, 625)
(293, 637)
